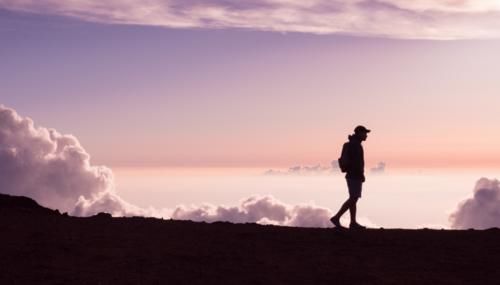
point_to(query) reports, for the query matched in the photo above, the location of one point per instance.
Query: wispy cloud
(379, 168)
(420, 19)
(318, 169)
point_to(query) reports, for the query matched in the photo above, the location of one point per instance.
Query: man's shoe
(336, 222)
(356, 226)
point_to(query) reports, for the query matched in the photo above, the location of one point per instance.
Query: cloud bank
(419, 19)
(55, 170)
(317, 169)
(259, 209)
(481, 211)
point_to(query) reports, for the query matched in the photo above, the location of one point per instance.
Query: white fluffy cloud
(55, 170)
(259, 209)
(419, 19)
(481, 211)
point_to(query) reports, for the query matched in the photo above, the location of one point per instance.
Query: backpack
(344, 158)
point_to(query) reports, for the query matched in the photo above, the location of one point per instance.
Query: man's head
(361, 132)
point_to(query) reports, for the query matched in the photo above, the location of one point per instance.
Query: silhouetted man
(352, 162)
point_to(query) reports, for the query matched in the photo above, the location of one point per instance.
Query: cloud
(55, 170)
(419, 19)
(318, 169)
(481, 211)
(305, 170)
(259, 209)
(379, 168)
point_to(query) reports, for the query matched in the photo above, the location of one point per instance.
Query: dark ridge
(8, 201)
(22, 204)
(59, 249)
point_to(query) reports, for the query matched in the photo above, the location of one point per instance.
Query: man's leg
(346, 206)
(352, 210)
(355, 188)
(354, 224)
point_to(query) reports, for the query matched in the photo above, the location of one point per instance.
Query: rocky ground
(41, 246)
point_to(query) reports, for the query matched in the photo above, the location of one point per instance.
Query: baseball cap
(361, 129)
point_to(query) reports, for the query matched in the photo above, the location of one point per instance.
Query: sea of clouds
(55, 170)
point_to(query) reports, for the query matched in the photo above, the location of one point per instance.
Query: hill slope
(41, 246)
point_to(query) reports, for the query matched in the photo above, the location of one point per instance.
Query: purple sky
(140, 95)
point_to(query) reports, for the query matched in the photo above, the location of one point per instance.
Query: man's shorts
(355, 186)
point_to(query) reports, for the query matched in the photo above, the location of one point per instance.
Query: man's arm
(356, 168)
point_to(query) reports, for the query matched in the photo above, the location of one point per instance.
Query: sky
(234, 110)
(176, 88)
